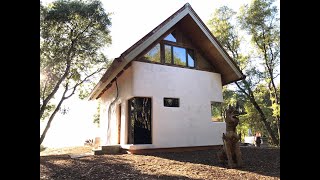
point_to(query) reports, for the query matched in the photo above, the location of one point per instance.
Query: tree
(72, 33)
(221, 26)
(261, 22)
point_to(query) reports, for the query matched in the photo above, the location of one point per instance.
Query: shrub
(42, 148)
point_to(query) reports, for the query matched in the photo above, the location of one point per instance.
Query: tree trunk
(257, 107)
(265, 122)
(273, 95)
(278, 126)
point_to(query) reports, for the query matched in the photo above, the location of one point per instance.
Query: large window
(179, 56)
(171, 51)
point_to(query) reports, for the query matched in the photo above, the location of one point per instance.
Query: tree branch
(66, 72)
(270, 69)
(81, 82)
(44, 90)
(241, 89)
(85, 28)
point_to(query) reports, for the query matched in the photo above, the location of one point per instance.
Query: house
(159, 92)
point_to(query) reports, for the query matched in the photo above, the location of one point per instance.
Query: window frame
(151, 50)
(173, 44)
(162, 44)
(213, 103)
(172, 36)
(164, 105)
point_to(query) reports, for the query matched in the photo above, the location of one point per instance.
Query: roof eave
(241, 78)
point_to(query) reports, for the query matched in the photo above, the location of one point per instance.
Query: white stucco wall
(125, 92)
(187, 125)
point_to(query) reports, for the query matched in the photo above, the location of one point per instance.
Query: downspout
(109, 111)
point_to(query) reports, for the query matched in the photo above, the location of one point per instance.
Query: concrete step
(98, 152)
(108, 149)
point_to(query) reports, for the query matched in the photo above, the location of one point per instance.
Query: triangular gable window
(154, 54)
(171, 38)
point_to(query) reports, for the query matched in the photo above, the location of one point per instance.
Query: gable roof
(201, 37)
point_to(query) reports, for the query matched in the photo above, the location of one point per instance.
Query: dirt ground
(259, 163)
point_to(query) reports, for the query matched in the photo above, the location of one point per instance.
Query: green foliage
(49, 109)
(73, 30)
(261, 21)
(216, 112)
(276, 106)
(251, 119)
(42, 148)
(178, 61)
(223, 29)
(154, 54)
(167, 54)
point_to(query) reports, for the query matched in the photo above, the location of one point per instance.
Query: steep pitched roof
(201, 37)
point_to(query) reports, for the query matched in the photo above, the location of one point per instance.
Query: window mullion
(162, 53)
(186, 57)
(172, 62)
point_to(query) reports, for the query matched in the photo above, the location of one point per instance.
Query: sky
(134, 19)
(131, 20)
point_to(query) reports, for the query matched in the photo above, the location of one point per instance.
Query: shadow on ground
(264, 161)
(96, 167)
(164, 165)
